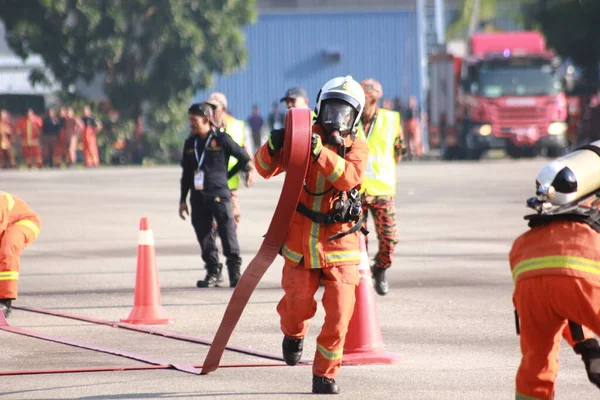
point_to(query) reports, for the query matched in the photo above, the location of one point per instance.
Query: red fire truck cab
(505, 93)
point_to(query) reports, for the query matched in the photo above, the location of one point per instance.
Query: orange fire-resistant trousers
(90, 149)
(298, 306)
(544, 304)
(33, 153)
(13, 240)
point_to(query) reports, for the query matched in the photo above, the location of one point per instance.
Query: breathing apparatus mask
(337, 120)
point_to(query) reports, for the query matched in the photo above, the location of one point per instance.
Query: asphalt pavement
(448, 315)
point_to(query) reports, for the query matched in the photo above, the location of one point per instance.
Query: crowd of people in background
(49, 141)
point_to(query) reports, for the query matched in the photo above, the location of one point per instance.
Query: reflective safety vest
(380, 176)
(236, 129)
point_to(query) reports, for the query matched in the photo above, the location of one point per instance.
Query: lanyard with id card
(199, 173)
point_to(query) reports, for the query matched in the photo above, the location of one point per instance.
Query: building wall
(299, 49)
(266, 5)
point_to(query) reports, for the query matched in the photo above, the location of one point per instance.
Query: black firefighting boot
(324, 385)
(214, 277)
(233, 267)
(381, 283)
(590, 354)
(5, 307)
(292, 350)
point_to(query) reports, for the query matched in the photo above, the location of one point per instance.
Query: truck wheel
(450, 153)
(513, 151)
(474, 154)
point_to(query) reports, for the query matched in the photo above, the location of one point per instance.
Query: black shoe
(381, 283)
(233, 281)
(234, 269)
(324, 385)
(5, 307)
(292, 350)
(214, 277)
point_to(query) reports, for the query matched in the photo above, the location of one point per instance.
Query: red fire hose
(296, 155)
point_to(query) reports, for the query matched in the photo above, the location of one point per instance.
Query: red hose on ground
(296, 155)
(156, 332)
(122, 368)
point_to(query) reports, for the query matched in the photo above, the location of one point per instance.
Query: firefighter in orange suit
(556, 269)
(7, 157)
(90, 145)
(19, 227)
(30, 128)
(318, 248)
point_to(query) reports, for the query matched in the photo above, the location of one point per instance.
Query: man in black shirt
(205, 158)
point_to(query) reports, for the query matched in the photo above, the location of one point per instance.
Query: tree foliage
(571, 27)
(151, 54)
(486, 11)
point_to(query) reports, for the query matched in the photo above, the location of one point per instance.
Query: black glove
(276, 140)
(316, 146)
(590, 354)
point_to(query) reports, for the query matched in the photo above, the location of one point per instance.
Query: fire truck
(505, 93)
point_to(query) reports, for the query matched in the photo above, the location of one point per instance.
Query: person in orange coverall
(90, 144)
(556, 269)
(19, 227)
(316, 247)
(7, 157)
(30, 128)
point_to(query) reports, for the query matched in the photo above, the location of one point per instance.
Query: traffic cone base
(383, 357)
(151, 315)
(364, 343)
(147, 308)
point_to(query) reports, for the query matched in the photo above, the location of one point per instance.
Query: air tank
(570, 177)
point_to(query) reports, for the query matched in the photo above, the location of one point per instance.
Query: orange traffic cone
(147, 308)
(364, 344)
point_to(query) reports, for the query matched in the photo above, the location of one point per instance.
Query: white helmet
(343, 88)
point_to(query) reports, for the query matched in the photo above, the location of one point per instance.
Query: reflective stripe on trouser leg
(338, 300)
(298, 305)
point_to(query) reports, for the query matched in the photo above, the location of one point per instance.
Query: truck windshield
(524, 77)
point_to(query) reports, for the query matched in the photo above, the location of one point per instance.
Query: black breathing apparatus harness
(347, 207)
(574, 211)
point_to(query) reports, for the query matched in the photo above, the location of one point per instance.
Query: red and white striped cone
(364, 344)
(147, 304)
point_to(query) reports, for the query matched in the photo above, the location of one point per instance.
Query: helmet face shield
(337, 115)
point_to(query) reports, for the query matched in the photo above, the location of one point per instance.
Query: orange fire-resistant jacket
(19, 227)
(307, 239)
(558, 248)
(30, 130)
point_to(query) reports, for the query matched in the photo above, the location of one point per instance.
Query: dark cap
(201, 110)
(294, 93)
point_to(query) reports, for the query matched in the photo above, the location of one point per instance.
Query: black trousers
(206, 209)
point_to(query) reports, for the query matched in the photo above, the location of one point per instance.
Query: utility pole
(440, 23)
(424, 87)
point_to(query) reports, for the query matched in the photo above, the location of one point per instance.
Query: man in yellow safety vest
(383, 133)
(236, 129)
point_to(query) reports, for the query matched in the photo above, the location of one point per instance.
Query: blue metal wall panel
(286, 50)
